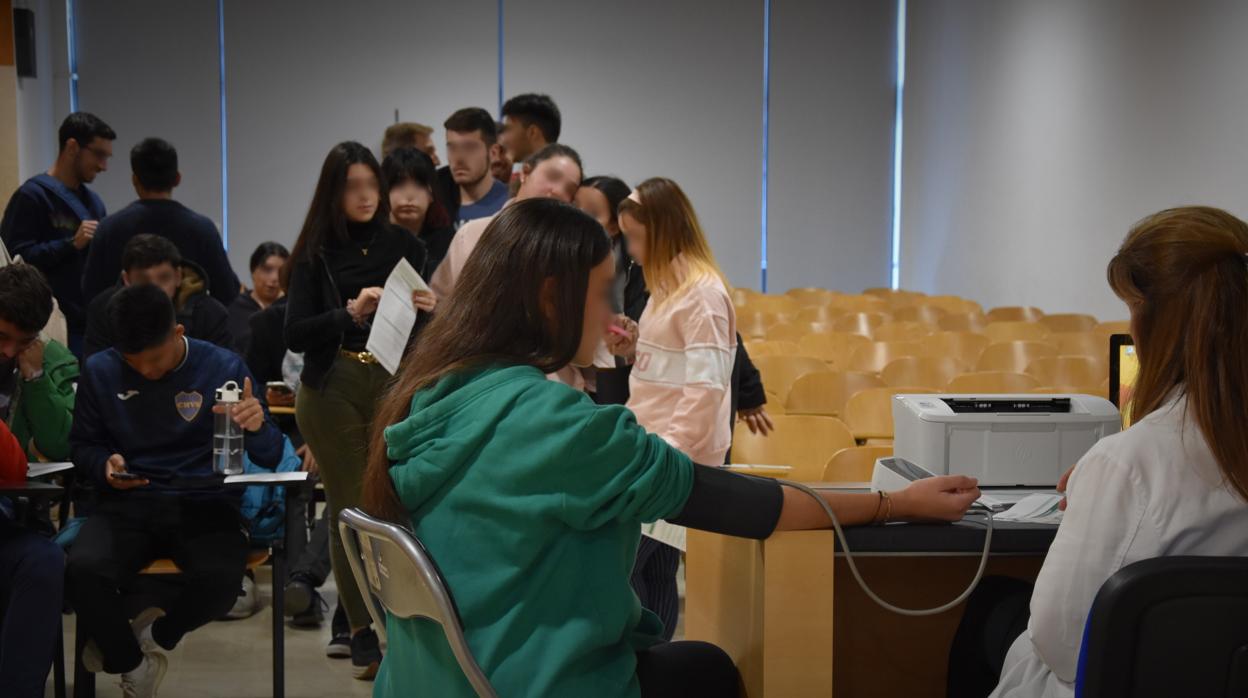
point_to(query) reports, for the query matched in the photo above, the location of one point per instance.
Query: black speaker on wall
(24, 42)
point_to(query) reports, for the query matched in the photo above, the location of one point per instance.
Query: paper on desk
(1034, 508)
(267, 478)
(41, 469)
(392, 325)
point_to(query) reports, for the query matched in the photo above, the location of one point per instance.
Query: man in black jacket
(150, 259)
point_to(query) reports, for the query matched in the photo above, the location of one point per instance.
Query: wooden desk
(779, 607)
(278, 409)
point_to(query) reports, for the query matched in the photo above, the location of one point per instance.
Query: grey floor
(233, 658)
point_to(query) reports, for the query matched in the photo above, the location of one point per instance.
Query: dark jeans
(32, 571)
(687, 670)
(996, 614)
(654, 581)
(204, 538)
(309, 553)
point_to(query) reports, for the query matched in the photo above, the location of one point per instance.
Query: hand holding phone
(118, 477)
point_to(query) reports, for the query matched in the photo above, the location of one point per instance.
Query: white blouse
(1150, 491)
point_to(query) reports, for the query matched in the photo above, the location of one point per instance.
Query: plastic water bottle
(227, 436)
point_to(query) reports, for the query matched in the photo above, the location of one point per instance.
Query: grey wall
(149, 68)
(656, 88)
(829, 211)
(302, 76)
(42, 101)
(650, 88)
(1036, 133)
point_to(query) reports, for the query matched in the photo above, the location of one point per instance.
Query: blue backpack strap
(58, 189)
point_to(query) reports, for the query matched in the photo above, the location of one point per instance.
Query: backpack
(264, 506)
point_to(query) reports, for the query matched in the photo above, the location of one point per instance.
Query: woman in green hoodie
(530, 497)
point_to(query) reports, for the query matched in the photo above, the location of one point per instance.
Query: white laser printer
(1004, 440)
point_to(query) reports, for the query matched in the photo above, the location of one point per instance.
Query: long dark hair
(326, 222)
(1184, 272)
(499, 312)
(615, 191)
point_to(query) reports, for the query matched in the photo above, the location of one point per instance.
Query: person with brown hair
(1174, 483)
(530, 497)
(553, 172)
(471, 146)
(408, 134)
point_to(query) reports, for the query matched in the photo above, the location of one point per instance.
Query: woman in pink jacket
(680, 387)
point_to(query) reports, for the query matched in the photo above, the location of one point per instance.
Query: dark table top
(30, 488)
(963, 537)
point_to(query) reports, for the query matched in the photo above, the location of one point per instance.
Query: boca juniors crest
(188, 404)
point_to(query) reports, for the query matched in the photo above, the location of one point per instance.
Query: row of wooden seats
(883, 327)
(910, 363)
(831, 364)
(816, 448)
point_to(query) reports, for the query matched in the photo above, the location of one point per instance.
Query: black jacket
(315, 315)
(202, 315)
(267, 348)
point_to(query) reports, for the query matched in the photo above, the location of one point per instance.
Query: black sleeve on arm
(309, 324)
(751, 392)
(732, 504)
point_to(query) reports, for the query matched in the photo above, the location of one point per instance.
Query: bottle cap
(230, 392)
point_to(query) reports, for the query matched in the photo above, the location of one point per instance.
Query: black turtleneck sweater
(367, 260)
(317, 322)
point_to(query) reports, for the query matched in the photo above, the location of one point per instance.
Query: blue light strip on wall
(500, 59)
(225, 162)
(71, 38)
(766, 115)
(895, 266)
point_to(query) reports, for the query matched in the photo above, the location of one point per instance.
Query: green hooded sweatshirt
(529, 498)
(43, 409)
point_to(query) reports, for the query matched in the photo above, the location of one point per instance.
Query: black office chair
(1169, 626)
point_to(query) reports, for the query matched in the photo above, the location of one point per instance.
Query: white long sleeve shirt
(1151, 491)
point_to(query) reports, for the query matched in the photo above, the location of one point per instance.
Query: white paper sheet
(392, 325)
(42, 469)
(1034, 508)
(267, 478)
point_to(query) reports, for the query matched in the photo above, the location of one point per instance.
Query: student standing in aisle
(337, 269)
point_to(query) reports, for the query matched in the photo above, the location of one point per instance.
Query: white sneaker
(93, 659)
(248, 602)
(145, 679)
(142, 627)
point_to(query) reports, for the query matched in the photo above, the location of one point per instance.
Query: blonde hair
(677, 253)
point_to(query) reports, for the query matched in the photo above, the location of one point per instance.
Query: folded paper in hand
(396, 316)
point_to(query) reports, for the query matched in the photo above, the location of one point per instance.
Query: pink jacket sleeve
(696, 355)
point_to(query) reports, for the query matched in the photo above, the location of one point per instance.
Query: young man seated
(37, 374)
(143, 431)
(32, 568)
(151, 259)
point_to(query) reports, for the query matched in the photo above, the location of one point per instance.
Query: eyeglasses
(100, 153)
